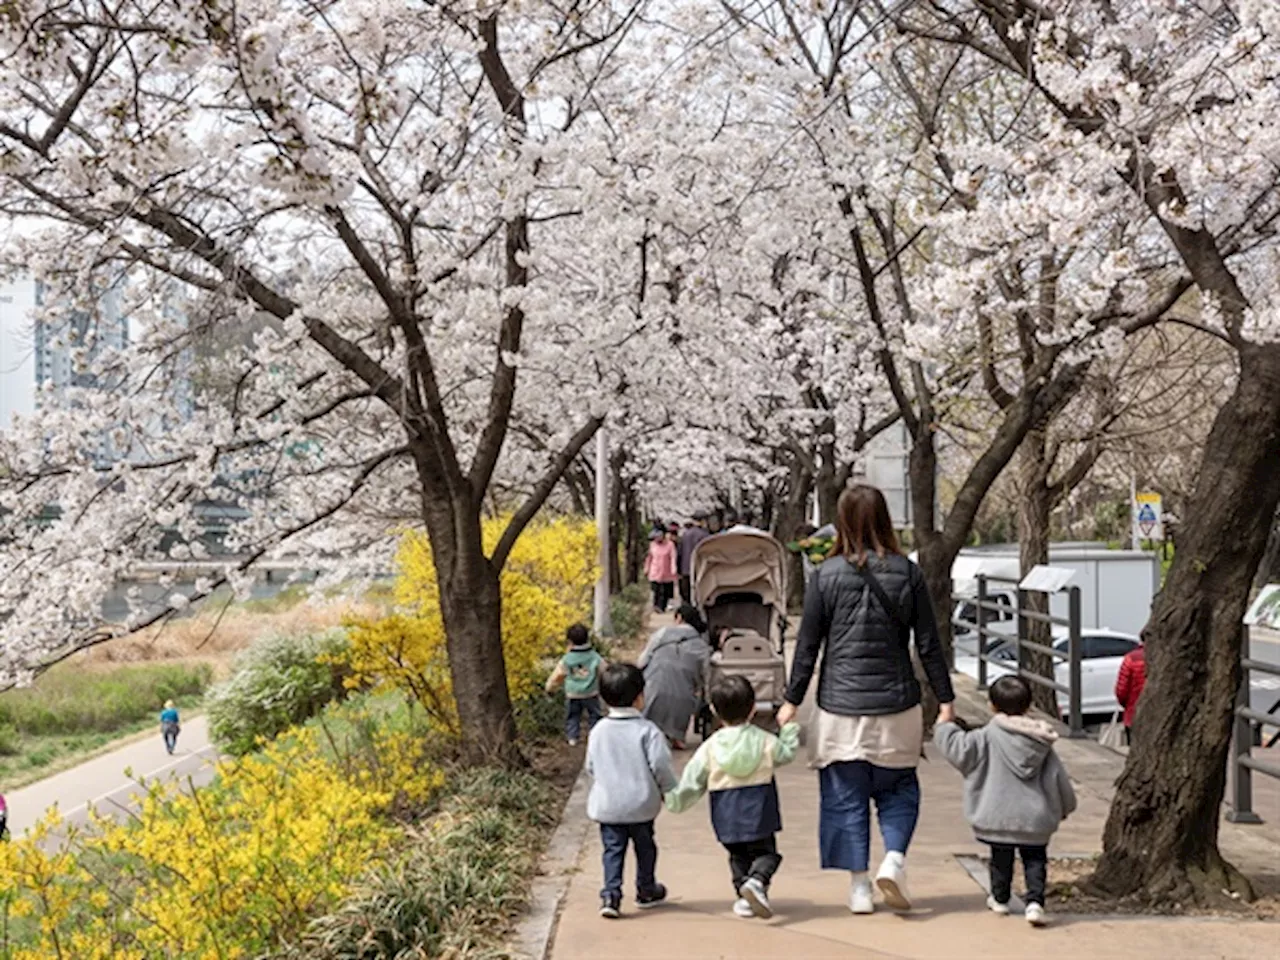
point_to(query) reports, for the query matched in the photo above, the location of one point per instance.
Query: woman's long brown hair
(863, 524)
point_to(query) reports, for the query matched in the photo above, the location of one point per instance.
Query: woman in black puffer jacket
(861, 608)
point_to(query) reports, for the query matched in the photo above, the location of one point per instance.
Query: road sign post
(1148, 517)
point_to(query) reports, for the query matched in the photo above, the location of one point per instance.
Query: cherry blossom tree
(376, 217)
(1173, 105)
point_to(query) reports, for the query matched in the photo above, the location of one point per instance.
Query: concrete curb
(537, 929)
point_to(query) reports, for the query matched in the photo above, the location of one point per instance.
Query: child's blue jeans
(844, 829)
(615, 837)
(574, 708)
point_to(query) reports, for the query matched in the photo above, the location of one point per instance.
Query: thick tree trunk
(1034, 508)
(471, 605)
(1161, 839)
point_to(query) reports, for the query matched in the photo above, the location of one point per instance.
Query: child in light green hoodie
(735, 765)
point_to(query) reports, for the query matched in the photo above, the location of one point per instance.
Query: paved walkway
(103, 782)
(949, 920)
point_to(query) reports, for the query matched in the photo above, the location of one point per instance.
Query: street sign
(1147, 517)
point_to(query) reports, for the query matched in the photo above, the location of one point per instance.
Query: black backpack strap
(877, 588)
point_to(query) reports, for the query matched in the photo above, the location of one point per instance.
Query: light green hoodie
(734, 757)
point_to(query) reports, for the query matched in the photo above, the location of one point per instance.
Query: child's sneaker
(573, 741)
(743, 909)
(996, 907)
(611, 906)
(1035, 915)
(860, 899)
(892, 881)
(653, 898)
(757, 898)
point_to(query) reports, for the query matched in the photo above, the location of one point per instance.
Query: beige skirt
(892, 740)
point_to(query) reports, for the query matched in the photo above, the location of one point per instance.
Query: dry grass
(217, 632)
(1066, 896)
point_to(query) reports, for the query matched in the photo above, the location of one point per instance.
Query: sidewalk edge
(537, 929)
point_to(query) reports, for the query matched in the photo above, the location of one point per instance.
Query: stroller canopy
(741, 560)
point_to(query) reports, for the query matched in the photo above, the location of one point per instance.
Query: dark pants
(1035, 866)
(755, 858)
(686, 588)
(615, 837)
(844, 824)
(170, 738)
(662, 593)
(574, 710)
(1128, 736)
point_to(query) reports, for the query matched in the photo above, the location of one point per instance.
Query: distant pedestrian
(4, 818)
(1016, 791)
(579, 672)
(1129, 683)
(660, 569)
(693, 535)
(736, 765)
(170, 726)
(630, 769)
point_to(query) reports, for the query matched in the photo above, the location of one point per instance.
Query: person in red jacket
(1129, 683)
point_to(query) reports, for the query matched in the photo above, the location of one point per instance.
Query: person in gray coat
(675, 664)
(1016, 790)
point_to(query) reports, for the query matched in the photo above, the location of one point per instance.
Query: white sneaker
(891, 878)
(573, 741)
(996, 907)
(757, 898)
(860, 899)
(1035, 915)
(743, 909)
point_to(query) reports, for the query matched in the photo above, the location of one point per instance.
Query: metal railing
(1247, 722)
(984, 607)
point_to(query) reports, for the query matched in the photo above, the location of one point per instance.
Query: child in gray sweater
(629, 763)
(1016, 791)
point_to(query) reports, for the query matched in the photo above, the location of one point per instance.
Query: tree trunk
(616, 521)
(635, 536)
(788, 521)
(1161, 838)
(1034, 507)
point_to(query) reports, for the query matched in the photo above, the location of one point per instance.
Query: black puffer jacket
(866, 654)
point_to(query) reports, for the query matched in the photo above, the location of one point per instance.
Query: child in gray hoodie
(1016, 791)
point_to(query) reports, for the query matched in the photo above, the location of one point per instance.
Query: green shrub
(278, 682)
(70, 700)
(453, 893)
(10, 740)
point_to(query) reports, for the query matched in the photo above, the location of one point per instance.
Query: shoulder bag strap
(890, 607)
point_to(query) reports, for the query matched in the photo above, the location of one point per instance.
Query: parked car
(1100, 657)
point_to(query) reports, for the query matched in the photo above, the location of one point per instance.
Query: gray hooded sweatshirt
(1016, 790)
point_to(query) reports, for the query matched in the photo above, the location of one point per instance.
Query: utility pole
(601, 620)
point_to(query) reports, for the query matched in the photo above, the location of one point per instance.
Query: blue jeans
(615, 837)
(844, 828)
(573, 711)
(170, 739)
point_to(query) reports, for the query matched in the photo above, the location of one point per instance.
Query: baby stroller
(739, 581)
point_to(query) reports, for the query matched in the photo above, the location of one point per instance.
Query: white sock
(859, 877)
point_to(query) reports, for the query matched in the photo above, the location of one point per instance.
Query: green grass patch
(456, 887)
(626, 611)
(71, 711)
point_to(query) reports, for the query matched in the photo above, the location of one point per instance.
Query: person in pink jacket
(660, 568)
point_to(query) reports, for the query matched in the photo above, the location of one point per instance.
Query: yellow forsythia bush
(546, 586)
(228, 871)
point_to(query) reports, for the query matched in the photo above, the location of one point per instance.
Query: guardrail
(984, 606)
(1247, 720)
